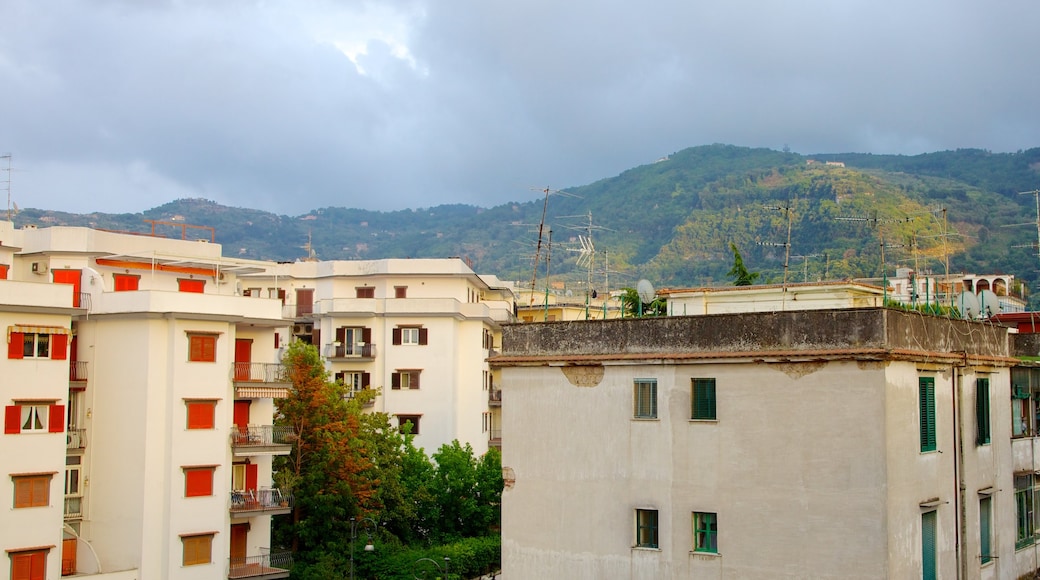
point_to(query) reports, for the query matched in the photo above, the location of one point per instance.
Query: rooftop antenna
(541, 229)
(6, 183)
(586, 256)
(805, 265)
(312, 256)
(789, 211)
(548, 259)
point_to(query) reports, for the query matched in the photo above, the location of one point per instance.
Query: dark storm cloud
(121, 106)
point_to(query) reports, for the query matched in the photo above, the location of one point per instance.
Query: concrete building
(839, 443)
(138, 391)
(418, 330)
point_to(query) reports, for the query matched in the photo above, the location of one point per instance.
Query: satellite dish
(989, 304)
(645, 290)
(968, 305)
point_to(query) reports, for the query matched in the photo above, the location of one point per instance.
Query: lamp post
(420, 570)
(369, 547)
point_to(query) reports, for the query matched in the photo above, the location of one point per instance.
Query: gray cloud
(121, 106)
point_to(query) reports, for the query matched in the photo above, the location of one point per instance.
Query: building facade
(842, 443)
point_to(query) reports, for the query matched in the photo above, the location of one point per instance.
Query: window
(353, 341)
(37, 342)
(645, 396)
(29, 564)
(400, 292)
(705, 532)
(982, 412)
(1022, 405)
(198, 481)
(194, 286)
(198, 549)
(1024, 498)
(928, 568)
(926, 403)
(410, 335)
(413, 420)
(200, 414)
(34, 418)
(365, 292)
(646, 529)
(32, 490)
(405, 379)
(703, 399)
(985, 535)
(126, 282)
(202, 347)
(354, 380)
(73, 465)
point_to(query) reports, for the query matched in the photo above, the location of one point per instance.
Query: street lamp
(353, 536)
(420, 569)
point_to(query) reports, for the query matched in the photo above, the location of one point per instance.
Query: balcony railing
(81, 300)
(256, 501)
(78, 371)
(253, 372)
(76, 439)
(367, 350)
(495, 440)
(267, 565)
(495, 397)
(255, 438)
(73, 507)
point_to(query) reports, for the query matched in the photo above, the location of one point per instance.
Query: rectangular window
(201, 414)
(646, 529)
(29, 565)
(53, 345)
(32, 490)
(365, 292)
(705, 532)
(1024, 498)
(982, 411)
(354, 380)
(198, 481)
(73, 465)
(926, 404)
(400, 291)
(928, 568)
(703, 399)
(645, 399)
(985, 535)
(34, 418)
(410, 335)
(1021, 403)
(202, 348)
(198, 549)
(193, 286)
(126, 282)
(412, 420)
(405, 379)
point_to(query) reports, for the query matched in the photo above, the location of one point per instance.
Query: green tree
(739, 272)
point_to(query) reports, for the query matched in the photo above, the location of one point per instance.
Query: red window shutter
(366, 335)
(281, 295)
(59, 346)
(12, 419)
(423, 335)
(366, 380)
(197, 286)
(15, 348)
(276, 340)
(126, 283)
(21, 566)
(397, 336)
(200, 415)
(395, 381)
(251, 476)
(56, 421)
(3, 271)
(341, 334)
(198, 482)
(202, 348)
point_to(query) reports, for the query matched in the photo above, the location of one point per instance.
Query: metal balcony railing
(253, 372)
(495, 397)
(268, 564)
(73, 507)
(78, 371)
(81, 301)
(76, 439)
(262, 435)
(261, 500)
(367, 350)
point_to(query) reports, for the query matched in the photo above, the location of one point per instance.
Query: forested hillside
(672, 221)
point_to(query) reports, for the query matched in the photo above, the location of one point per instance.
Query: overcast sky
(287, 106)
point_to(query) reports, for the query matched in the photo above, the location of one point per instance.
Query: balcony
(267, 566)
(76, 439)
(357, 351)
(81, 300)
(494, 397)
(260, 380)
(256, 502)
(73, 507)
(495, 440)
(78, 371)
(262, 440)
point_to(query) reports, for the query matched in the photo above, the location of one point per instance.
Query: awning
(27, 329)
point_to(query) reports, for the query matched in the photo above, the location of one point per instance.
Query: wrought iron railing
(266, 499)
(76, 439)
(262, 435)
(254, 372)
(267, 562)
(495, 397)
(73, 507)
(367, 350)
(81, 301)
(78, 371)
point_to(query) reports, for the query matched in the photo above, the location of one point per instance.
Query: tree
(740, 274)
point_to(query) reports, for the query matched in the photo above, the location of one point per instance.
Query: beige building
(839, 443)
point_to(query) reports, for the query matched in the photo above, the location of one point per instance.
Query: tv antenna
(541, 229)
(586, 254)
(6, 183)
(805, 264)
(789, 213)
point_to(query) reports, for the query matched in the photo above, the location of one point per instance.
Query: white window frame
(74, 475)
(410, 335)
(42, 414)
(36, 345)
(352, 380)
(238, 477)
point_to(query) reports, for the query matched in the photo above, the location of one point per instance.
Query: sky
(286, 106)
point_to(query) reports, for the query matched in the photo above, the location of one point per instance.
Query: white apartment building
(840, 443)
(418, 330)
(139, 398)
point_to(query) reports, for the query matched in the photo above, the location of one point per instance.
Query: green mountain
(672, 221)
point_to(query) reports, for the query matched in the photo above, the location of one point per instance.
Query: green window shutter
(982, 412)
(985, 552)
(928, 546)
(926, 400)
(704, 399)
